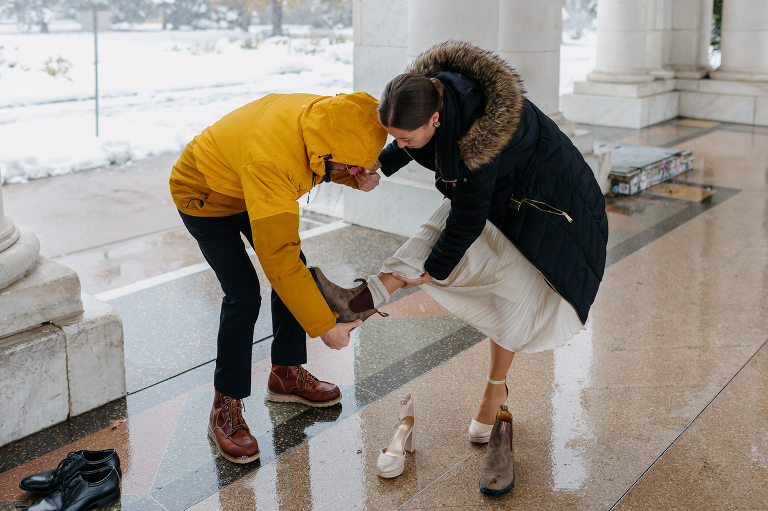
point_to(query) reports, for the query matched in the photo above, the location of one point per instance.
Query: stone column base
(725, 101)
(33, 376)
(49, 291)
(621, 105)
(53, 371)
(620, 112)
(18, 255)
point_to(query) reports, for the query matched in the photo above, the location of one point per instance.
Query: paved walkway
(662, 403)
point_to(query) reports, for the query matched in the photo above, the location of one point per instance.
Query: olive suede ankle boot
(498, 473)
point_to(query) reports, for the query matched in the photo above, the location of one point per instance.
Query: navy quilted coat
(497, 157)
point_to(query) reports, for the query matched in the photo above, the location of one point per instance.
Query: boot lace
(304, 379)
(235, 409)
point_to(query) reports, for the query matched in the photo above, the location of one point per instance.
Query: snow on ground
(158, 89)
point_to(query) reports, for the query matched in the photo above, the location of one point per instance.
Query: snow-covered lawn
(158, 89)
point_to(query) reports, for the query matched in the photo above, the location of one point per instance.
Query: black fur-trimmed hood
(502, 88)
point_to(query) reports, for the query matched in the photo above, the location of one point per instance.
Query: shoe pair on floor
(83, 480)
(497, 476)
(227, 428)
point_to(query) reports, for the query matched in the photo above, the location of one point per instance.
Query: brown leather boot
(294, 384)
(228, 430)
(498, 473)
(339, 298)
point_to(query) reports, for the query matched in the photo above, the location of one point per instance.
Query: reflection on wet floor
(661, 403)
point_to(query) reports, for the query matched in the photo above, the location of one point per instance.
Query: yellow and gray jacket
(261, 158)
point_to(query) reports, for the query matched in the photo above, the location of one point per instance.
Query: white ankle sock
(379, 293)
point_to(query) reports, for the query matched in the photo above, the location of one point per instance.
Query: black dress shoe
(48, 482)
(82, 491)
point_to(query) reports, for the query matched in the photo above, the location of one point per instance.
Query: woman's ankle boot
(498, 473)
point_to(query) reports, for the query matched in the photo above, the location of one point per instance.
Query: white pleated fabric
(493, 288)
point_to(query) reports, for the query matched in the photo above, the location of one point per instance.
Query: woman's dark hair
(409, 100)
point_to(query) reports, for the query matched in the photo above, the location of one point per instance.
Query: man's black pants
(219, 240)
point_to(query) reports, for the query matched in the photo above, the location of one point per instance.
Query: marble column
(658, 37)
(529, 39)
(679, 33)
(58, 357)
(744, 42)
(738, 89)
(621, 91)
(18, 249)
(381, 43)
(621, 42)
(690, 38)
(526, 34)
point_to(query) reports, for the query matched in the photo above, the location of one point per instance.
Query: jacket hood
(502, 88)
(345, 126)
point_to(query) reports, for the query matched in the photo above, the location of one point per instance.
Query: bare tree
(31, 12)
(277, 17)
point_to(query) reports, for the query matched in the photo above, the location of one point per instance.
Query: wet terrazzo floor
(660, 403)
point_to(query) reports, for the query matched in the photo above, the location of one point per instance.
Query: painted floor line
(112, 294)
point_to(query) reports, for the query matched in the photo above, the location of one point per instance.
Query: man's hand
(367, 182)
(376, 166)
(338, 336)
(409, 283)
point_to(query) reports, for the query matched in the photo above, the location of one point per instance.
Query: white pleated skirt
(493, 288)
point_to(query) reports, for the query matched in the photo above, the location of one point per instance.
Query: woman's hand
(367, 182)
(409, 283)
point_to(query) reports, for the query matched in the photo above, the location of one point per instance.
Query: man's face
(340, 168)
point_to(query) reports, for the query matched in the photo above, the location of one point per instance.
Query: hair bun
(438, 85)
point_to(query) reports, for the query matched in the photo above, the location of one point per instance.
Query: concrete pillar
(526, 34)
(658, 36)
(57, 357)
(744, 41)
(434, 21)
(381, 43)
(18, 250)
(529, 39)
(738, 90)
(679, 33)
(382, 51)
(621, 91)
(690, 38)
(621, 42)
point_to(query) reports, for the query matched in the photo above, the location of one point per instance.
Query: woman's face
(417, 138)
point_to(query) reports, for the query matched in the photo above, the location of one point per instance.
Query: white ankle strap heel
(478, 432)
(391, 461)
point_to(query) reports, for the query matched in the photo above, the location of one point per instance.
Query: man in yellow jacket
(244, 174)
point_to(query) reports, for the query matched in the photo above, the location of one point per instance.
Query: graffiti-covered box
(635, 168)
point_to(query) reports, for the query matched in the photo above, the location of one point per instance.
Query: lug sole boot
(229, 432)
(294, 384)
(498, 473)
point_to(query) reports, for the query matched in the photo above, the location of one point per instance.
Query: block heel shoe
(391, 461)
